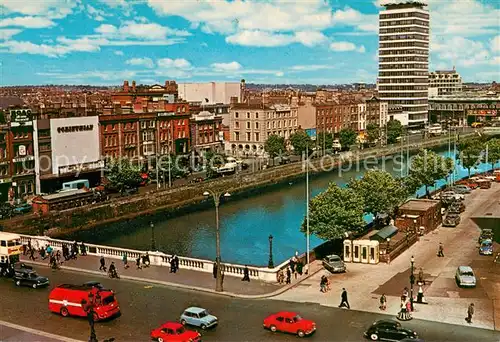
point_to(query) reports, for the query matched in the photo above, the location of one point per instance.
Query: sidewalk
(13, 332)
(447, 302)
(187, 279)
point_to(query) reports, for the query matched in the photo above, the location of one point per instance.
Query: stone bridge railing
(161, 259)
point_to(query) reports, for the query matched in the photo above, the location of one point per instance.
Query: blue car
(486, 247)
(198, 317)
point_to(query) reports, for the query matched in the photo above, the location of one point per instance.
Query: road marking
(38, 332)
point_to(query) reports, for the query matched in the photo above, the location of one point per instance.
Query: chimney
(125, 86)
(133, 86)
(242, 90)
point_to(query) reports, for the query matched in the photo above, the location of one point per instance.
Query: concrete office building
(404, 58)
(211, 92)
(444, 83)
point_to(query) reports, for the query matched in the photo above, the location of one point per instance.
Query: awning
(384, 233)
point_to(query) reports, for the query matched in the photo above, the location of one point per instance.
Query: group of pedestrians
(69, 251)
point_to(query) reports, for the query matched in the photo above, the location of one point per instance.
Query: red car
(289, 322)
(174, 332)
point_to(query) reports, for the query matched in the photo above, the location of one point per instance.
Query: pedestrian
(32, 254)
(246, 274)
(176, 263)
(288, 275)
(138, 262)
(145, 260)
(125, 261)
(65, 252)
(280, 277)
(29, 246)
(103, 264)
(172, 265)
(405, 293)
(470, 313)
(344, 301)
(293, 262)
(300, 267)
(322, 283)
(440, 250)
(421, 280)
(408, 306)
(215, 269)
(383, 302)
(83, 249)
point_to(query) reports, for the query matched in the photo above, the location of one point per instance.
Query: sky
(263, 41)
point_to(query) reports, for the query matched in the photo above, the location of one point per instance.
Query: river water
(245, 224)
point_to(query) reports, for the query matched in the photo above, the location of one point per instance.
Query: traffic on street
(147, 307)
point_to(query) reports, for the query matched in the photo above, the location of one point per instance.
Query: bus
(435, 129)
(11, 248)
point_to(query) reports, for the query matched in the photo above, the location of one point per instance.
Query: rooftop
(419, 204)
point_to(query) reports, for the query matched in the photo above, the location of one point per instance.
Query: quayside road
(146, 306)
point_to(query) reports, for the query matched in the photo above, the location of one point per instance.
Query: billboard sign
(482, 112)
(21, 117)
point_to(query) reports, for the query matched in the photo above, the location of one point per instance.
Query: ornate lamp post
(270, 264)
(153, 240)
(217, 196)
(412, 280)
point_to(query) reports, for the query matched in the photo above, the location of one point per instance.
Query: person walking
(176, 263)
(138, 262)
(344, 301)
(288, 275)
(470, 313)
(103, 264)
(125, 261)
(322, 284)
(383, 302)
(246, 274)
(83, 249)
(421, 280)
(215, 270)
(32, 254)
(440, 250)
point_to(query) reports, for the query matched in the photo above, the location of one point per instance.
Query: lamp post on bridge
(412, 280)
(153, 240)
(217, 196)
(270, 264)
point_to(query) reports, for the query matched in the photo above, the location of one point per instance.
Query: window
(248, 125)
(256, 115)
(257, 137)
(148, 149)
(144, 124)
(236, 136)
(236, 124)
(152, 124)
(256, 125)
(248, 115)
(249, 138)
(268, 125)
(236, 115)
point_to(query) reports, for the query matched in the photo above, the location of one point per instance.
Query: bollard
(420, 296)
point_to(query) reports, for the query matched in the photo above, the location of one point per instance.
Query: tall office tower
(404, 58)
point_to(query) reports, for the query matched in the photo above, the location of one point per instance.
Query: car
(485, 234)
(198, 317)
(174, 332)
(486, 247)
(461, 189)
(456, 207)
(22, 209)
(491, 178)
(386, 329)
(465, 277)
(334, 264)
(95, 284)
(451, 220)
(289, 322)
(30, 278)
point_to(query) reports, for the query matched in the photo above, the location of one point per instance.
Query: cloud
(347, 46)
(311, 67)
(52, 9)
(27, 22)
(495, 44)
(259, 38)
(232, 66)
(139, 30)
(145, 62)
(351, 17)
(310, 38)
(462, 51)
(8, 33)
(96, 14)
(179, 63)
(118, 53)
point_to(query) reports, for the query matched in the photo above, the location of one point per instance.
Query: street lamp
(153, 240)
(412, 281)
(217, 196)
(270, 264)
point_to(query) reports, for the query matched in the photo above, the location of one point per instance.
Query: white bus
(10, 251)
(435, 129)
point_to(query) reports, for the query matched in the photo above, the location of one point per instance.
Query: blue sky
(280, 41)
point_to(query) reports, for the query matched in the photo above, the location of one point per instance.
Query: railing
(160, 258)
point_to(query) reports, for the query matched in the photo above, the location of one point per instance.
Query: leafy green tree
(493, 152)
(427, 167)
(347, 137)
(176, 166)
(334, 212)
(372, 132)
(274, 145)
(378, 189)
(394, 131)
(300, 142)
(325, 139)
(122, 173)
(212, 160)
(470, 152)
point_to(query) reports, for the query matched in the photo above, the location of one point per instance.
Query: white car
(451, 194)
(465, 277)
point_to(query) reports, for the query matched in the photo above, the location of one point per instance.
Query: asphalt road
(145, 307)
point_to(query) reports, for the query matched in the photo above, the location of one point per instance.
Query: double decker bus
(10, 251)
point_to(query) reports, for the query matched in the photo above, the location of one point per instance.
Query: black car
(389, 330)
(30, 278)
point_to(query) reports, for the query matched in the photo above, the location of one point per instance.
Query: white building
(209, 93)
(444, 83)
(404, 58)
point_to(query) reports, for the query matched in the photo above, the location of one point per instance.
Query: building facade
(210, 93)
(444, 83)
(404, 58)
(206, 132)
(142, 96)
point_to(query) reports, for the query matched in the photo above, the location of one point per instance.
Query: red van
(67, 300)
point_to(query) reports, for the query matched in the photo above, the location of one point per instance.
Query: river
(245, 224)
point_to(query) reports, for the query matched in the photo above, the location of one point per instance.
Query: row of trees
(475, 150)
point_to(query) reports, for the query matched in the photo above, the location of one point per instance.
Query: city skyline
(317, 42)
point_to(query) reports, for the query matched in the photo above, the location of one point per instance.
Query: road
(145, 307)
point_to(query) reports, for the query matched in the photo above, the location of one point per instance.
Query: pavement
(188, 279)
(10, 332)
(446, 302)
(146, 306)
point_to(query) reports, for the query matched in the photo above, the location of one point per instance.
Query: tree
(325, 140)
(212, 160)
(493, 152)
(347, 137)
(427, 167)
(380, 192)
(275, 145)
(372, 132)
(394, 131)
(470, 151)
(176, 166)
(300, 141)
(335, 212)
(122, 174)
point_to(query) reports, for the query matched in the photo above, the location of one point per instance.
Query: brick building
(206, 132)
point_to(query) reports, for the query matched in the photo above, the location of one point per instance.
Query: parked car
(451, 220)
(30, 278)
(289, 322)
(465, 277)
(130, 191)
(334, 264)
(174, 332)
(485, 234)
(486, 247)
(451, 195)
(22, 209)
(461, 189)
(198, 317)
(389, 330)
(456, 207)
